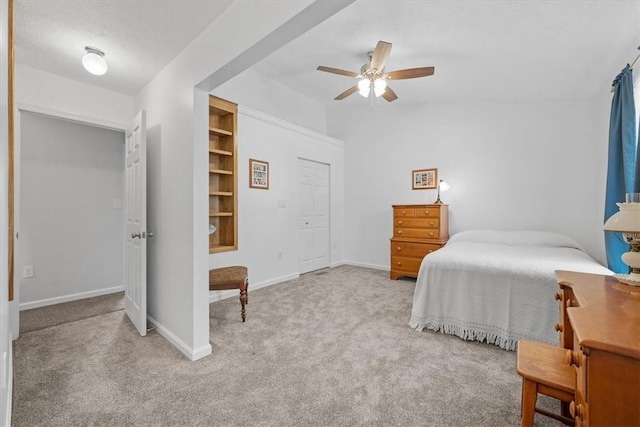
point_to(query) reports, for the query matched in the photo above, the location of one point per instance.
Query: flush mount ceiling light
(94, 61)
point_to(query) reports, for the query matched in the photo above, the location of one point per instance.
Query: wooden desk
(600, 327)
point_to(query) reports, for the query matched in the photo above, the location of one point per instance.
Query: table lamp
(627, 222)
(441, 186)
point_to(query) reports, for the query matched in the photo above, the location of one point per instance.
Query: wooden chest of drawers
(418, 230)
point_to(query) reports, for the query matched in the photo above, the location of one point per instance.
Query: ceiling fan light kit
(373, 78)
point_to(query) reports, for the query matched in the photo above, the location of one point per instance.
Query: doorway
(71, 239)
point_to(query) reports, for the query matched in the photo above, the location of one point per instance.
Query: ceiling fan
(373, 78)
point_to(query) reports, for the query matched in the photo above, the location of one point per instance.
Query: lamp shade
(363, 87)
(443, 186)
(94, 62)
(626, 220)
(379, 86)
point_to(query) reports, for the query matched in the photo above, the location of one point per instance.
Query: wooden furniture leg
(243, 301)
(529, 398)
(235, 277)
(543, 370)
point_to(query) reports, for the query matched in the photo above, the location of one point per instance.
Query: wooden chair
(235, 277)
(544, 370)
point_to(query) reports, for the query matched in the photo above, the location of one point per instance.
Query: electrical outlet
(279, 255)
(27, 271)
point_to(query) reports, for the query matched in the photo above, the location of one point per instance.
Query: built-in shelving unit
(223, 182)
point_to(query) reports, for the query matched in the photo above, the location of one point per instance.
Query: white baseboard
(367, 265)
(67, 298)
(220, 295)
(192, 354)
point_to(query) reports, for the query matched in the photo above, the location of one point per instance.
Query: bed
(496, 286)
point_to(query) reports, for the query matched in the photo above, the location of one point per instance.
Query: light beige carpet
(329, 349)
(45, 317)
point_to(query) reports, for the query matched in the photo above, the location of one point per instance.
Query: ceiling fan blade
(380, 55)
(346, 93)
(411, 73)
(337, 71)
(389, 94)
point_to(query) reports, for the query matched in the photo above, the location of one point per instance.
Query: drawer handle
(573, 358)
(557, 296)
(404, 212)
(399, 222)
(431, 223)
(399, 248)
(558, 327)
(577, 411)
(399, 263)
(426, 211)
(430, 233)
(399, 231)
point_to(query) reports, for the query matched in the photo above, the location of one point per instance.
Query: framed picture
(258, 174)
(425, 179)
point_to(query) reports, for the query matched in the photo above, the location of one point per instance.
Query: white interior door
(135, 264)
(313, 222)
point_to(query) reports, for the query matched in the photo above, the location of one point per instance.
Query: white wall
(538, 166)
(254, 90)
(264, 229)
(178, 167)
(278, 125)
(46, 93)
(70, 232)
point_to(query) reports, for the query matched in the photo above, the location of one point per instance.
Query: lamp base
(438, 201)
(632, 279)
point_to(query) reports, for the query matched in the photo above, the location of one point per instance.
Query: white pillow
(516, 238)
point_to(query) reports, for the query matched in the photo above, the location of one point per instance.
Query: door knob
(149, 234)
(135, 235)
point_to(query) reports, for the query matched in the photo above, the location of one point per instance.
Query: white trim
(71, 297)
(72, 117)
(266, 118)
(191, 354)
(9, 383)
(220, 295)
(337, 264)
(367, 265)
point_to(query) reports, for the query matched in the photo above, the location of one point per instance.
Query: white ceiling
(490, 50)
(139, 37)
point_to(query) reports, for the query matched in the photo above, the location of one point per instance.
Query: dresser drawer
(411, 249)
(417, 222)
(428, 212)
(420, 233)
(406, 264)
(404, 212)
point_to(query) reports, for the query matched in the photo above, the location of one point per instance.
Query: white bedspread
(496, 286)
